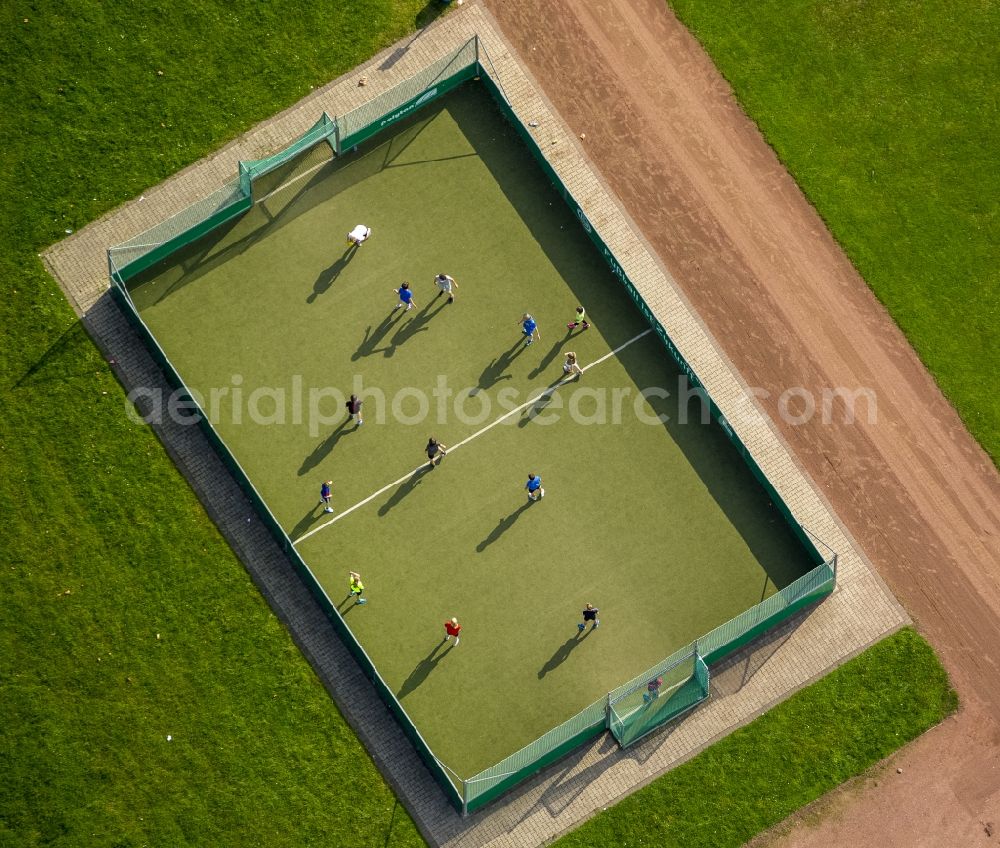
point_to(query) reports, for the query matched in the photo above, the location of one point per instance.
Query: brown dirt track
(789, 309)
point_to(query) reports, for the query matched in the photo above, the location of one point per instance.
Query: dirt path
(789, 309)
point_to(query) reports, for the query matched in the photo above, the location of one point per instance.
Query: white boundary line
(467, 439)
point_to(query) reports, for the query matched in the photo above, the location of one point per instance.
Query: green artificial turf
(887, 115)
(669, 546)
(92, 504)
(804, 747)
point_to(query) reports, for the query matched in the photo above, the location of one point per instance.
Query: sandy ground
(788, 308)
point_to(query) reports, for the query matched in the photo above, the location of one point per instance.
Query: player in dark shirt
(589, 614)
(354, 409)
(435, 450)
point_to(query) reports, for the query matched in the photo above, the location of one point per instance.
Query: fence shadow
(50, 366)
(732, 673)
(566, 780)
(311, 179)
(705, 446)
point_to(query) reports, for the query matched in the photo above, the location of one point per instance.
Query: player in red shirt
(452, 628)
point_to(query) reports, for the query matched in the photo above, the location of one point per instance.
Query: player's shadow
(423, 669)
(403, 489)
(322, 450)
(494, 372)
(307, 521)
(346, 605)
(373, 335)
(539, 406)
(417, 324)
(562, 652)
(549, 357)
(328, 276)
(502, 527)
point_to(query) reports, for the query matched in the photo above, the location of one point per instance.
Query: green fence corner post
(465, 798)
(835, 557)
(336, 137)
(607, 712)
(245, 182)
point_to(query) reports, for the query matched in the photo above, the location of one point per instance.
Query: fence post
(465, 798)
(336, 136)
(607, 712)
(835, 556)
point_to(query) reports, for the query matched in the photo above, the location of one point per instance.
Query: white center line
(465, 441)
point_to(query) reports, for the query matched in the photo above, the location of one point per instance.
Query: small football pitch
(649, 513)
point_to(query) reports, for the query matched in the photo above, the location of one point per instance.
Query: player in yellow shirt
(357, 588)
(578, 319)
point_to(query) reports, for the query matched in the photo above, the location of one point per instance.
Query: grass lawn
(887, 116)
(751, 780)
(104, 545)
(259, 300)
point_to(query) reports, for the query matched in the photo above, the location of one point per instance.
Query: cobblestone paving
(860, 611)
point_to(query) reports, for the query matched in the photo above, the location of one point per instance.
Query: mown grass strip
(886, 114)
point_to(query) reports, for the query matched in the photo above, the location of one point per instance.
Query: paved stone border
(860, 611)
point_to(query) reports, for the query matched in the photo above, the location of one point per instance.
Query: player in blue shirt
(324, 495)
(405, 297)
(529, 329)
(534, 487)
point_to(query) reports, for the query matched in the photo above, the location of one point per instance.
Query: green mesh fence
(632, 710)
(735, 633)
(491, 782)
(322, 130)
(422, 88)
(494, 85)
(233, 199)
(665, 692)
(264, 513)
(146, 249)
